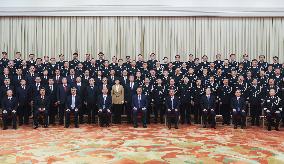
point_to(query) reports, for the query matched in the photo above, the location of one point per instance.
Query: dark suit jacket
(143, 101)
(91, 95)
(42, 103)
(61, 94)
(23, 95)
(235, 104)
(108, 102)
(168, 103)
(130, 92)
(205, 104)
(9, 105)
(77, 102)
(51, 94)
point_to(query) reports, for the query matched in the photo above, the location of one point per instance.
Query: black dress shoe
(76, 126)
(45, 126)
(235, 126)
(176, 127)
(5, 128)
(66, 126)
(144, 126)
(169, 126)
(204, 126)
(36, 127)
(135, 126)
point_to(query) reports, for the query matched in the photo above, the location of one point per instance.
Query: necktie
(104, 102)
(172, 99)
(65, 89)
(51, 88)
(139, 99)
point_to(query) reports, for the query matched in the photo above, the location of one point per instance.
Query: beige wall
(121, 36)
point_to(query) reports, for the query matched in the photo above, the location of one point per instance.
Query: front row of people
(10, 104)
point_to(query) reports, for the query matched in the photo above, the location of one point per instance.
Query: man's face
(238, 93)
(9, 93)
(208, 91)
(104, 90)
(50, 82)
(78, 79)
(91, 81)
(172, 92)
(272, 92)
(37, 80)
(139, 91)
(7, 81)
(42, 92)
(225, 81)
(254, 82)
(131, 78)
(23, 82)
(73, 91)
(64, 81)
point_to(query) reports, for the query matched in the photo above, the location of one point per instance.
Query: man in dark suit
(63, 90)
(90, 96)
(273, 109)
(23, 94)
(104, 106)
(172, 107)
(41, 107)
(51, 91)
(9, 108)
(225, 94)
(208, 108)
(130, 92)
(73, 105)
(238, 105)
(80, 91)
(4, 88)
(139, 104)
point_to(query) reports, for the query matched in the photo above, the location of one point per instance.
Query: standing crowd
(54, 91)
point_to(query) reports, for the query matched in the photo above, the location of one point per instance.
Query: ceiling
(244, 8)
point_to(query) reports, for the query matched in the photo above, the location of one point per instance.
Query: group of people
(45, 89)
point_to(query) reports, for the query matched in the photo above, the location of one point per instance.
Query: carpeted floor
(156, 144)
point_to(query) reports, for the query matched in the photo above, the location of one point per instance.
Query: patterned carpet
(156, 144)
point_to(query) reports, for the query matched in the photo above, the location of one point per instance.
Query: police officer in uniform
(272, 110)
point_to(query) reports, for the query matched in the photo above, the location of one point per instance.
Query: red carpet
(156, 144)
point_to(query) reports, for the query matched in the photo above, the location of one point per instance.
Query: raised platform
(156, 144)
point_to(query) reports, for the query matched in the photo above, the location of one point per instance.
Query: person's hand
(176, 110)
(243, 111)
(268, 111)
(67, 110)
(212, 110)
(280, 109)
(108, 110)
(4, 111)
(234, 110)
(100, 110)
(13, 111)
(43, 109)
(204, 110)
(134, 108)
(169, 110)
(76, 109)
(143, 108)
